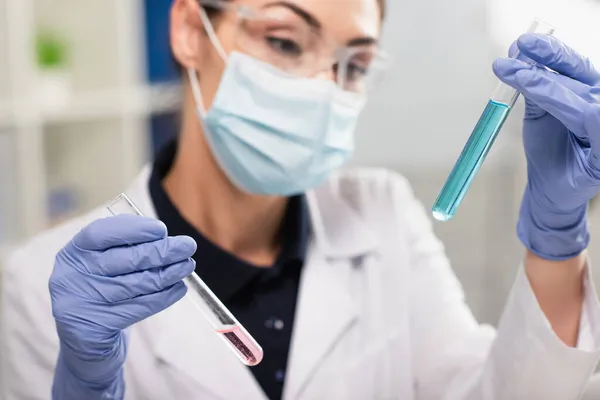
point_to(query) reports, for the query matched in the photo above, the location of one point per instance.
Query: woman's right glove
(114, 273)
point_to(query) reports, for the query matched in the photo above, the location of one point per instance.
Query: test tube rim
(129, 202)
(537, 22)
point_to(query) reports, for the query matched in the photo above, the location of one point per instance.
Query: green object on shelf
(51, 51)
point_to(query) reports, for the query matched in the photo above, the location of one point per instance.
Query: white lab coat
(380, 316)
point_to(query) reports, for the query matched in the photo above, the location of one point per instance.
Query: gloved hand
(114, 273)
(561, 137)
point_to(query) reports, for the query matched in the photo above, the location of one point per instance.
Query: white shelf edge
(137, 101)
(131, 101)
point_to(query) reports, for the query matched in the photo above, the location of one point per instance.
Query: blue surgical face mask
(276, 134)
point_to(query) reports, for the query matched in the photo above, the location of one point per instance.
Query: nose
(326, 74)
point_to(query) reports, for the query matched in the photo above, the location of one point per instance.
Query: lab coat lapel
(325, 308)
(183, 339)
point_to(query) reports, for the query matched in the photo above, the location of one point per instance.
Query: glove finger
(98, 318)
(120, 230)
(559, 95)
(592, 126)
(515, 53)
(122, 315)
(507, 68)
(510, 67)
(552, 53)
(154, 280)
(513, 49)
(128, 259)
(555, 98)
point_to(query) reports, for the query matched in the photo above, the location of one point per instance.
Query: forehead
(343, 19)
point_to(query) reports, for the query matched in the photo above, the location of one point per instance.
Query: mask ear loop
(193, 76)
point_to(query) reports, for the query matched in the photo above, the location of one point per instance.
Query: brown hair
(382, 8)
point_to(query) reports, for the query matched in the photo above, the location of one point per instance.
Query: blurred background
(88, 93)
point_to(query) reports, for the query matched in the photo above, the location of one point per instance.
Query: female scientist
(337, 274)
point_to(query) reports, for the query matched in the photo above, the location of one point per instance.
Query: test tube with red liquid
(229, 329)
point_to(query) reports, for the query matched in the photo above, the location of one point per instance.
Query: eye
(355, 72)
(284, 46)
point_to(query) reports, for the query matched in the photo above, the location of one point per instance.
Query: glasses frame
(340, 53)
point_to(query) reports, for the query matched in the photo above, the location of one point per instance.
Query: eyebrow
(362, 41)
(305, 15)
(314, 22)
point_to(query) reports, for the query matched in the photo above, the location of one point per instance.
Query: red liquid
(250, 353)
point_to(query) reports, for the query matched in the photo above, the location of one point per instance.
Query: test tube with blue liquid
(480, 142)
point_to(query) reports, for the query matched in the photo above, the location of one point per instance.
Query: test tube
(480, 142)
(229, 329)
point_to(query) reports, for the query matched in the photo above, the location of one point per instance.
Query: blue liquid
(470, 160)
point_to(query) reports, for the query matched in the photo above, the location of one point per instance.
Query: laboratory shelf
(83, 165)
(135, 101)
(79, 129)
(91, 44)
(5, 85)
(6, 114)
(87, 107)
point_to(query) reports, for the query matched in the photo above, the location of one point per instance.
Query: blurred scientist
(336, 273)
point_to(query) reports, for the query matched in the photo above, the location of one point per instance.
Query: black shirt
(262, 299)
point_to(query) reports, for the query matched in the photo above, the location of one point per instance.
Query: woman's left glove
(113, 274)
(561, 137)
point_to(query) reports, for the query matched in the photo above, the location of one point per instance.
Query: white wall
(421, 117)
(576, 21)
(438, 85)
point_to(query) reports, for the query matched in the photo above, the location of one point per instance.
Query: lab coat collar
(339, 230)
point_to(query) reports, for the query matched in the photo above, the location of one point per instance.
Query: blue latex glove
(561, 137)
(116, 272)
